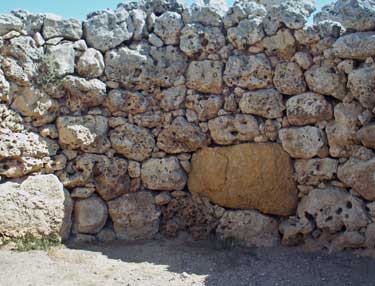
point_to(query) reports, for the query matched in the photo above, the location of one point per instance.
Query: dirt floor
(180, 263)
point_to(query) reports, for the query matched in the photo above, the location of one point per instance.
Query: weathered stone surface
(133, 142)
(134, 216)
(326, 81)
(308, 108)
(128, 101)
(245, 176)
(248, 71)
(303, 142)
(37, 207)
(246, 33)
(229, 129)
(56, 26)
(88, 133)
(353, 14)
(367, 136)
(205, 106)
(295, 230)
(4, 88)
(267, 103)
(289, 78)
(205, 76)
(361, 83)
(198, 40)
(107, 29)
(84, 93)
(241, 10)
(90, 215)
(249, 228)
(9, 23)
(204, 14)
(163, 174)
(181, 136)
(333, 209)
(359, 175)
(168, 26)
(315, 171)
(90, 64)
(357, 46)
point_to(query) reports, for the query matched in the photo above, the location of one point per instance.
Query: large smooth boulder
(38, 207)
(135, 216)
(246, 176)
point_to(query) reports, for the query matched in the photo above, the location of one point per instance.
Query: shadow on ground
(243, 266)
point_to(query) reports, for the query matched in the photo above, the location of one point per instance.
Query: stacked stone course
(241, 122)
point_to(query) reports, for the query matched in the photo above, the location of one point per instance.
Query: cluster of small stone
(116, 106)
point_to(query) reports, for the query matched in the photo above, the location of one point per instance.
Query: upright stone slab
(246, 176)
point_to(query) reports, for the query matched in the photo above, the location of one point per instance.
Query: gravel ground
(180, 263)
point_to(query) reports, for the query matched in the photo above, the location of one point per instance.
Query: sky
(73, 8)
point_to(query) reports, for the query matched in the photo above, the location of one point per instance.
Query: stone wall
(243, 123)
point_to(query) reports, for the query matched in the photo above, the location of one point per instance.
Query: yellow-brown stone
(246, 176)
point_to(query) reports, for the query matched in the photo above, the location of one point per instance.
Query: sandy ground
(180, 263)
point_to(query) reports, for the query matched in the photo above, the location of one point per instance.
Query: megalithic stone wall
(245, 123)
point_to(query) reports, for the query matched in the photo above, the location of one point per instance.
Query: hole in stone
(349, 205)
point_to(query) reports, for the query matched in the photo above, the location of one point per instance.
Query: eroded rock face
(355, 46)
(246, 176)
(91, 64)
(168, 26)
(56, 26)
(38, 207)
(314, 171)
(164, 174)
(135, 216)
(289, 78)
(249, 228)
(361, 83)
(367, 136)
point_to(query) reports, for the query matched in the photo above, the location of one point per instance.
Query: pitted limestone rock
(205, 106)
(248, 71)
(107, 29)
(357, 46)
(359, 175)
(83, 93)
(205, 76)
(168, 27)
(90, 64)
(303, 142)
(181, 136)
(249, 228)
(9, 23)
(56, 26)
(165, 174)
(361, 83)
(132, 102)
(133, 142)
(334, 209)
(83, 132)
(289, 78)
(315, 171)
(308, 108)
(267, 103)
(135, 216)
(229, 129)
(246, 33)
(245, 176)
(200, 41)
